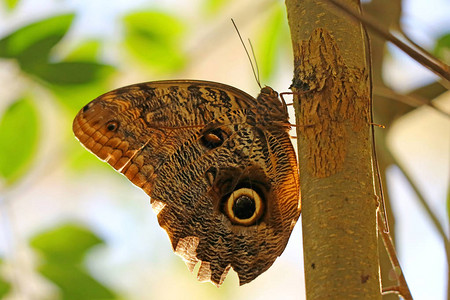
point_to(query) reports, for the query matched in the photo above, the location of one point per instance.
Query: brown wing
(195, 147)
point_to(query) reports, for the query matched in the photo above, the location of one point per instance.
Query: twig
(402, 288)
(424, 203)
(391, 290)
(414, 101)
(430, 214)
(417, 46)
(427, 61)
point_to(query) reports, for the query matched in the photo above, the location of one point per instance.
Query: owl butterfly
(218, 165)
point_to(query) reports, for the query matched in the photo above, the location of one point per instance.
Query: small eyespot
(212, 139)
(112, 125)
(244, 207)
(87, 106)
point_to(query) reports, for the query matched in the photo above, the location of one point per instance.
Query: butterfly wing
(198, 149)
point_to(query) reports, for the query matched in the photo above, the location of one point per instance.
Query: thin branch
(417, 46)
(427, 60)
(414, 101)
(402, 288)
(423, 202)
(391, 290)
(430, 214)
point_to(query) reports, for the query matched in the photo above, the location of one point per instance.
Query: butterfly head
(269, 101)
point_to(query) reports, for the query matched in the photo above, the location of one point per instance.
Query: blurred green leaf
(154, 39)
(36, 53)
(68, 73)
(68, 243)
(19, 128)
(11, 4)
(5, 286)
(63, 250)
(46, 33)
(74, 97)
(442, 47)
(74, 282)
(271, 40)
(31, 46)
(81, 161)
(87, 51)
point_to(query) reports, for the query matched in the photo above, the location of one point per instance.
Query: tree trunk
(332, 100)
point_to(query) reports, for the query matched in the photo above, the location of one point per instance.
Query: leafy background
(72, 228)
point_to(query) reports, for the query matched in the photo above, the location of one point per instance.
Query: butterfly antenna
(256, 64)
(248, 54)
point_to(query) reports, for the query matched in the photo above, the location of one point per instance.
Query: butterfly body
(217, 163)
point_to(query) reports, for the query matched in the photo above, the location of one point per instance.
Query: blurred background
(72, 228)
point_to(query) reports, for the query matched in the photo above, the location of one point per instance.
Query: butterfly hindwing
(217, 163)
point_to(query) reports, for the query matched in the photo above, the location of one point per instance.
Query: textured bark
(332, 99)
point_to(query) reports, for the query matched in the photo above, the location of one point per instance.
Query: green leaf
(81, 161)
(69, 73)
(36, 53)
(68, 243)
(32, 44)
(63, 250)
(5, 286)
(87, 51)
(154, 38)
(19, 129)
(442, 47)
(74, 97)
(74, 282)
(11, 4)
(46, 33)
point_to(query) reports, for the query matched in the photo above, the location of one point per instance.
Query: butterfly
(217, 163)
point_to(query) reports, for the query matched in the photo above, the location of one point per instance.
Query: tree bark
(332, 100)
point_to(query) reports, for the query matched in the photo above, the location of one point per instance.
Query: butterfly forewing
(192, 146)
